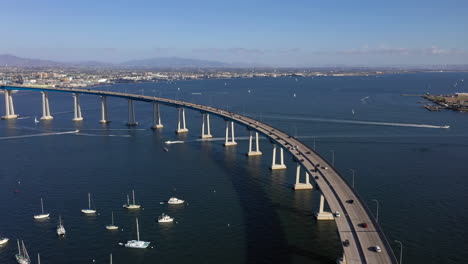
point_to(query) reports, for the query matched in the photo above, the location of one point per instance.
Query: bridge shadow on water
(266, 240)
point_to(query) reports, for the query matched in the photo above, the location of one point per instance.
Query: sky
(295, 33)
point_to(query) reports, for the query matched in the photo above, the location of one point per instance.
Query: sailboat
(42, 215)
(88, 210)
(60, 228)
(22, 257)
(3, 240)
(112, 226)
(129, 205)
(137, 243)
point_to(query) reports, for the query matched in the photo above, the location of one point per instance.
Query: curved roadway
(362, 241)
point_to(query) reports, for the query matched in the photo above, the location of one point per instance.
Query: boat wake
(342, 121)
(174, 142)
(41, 135)
(96, 135)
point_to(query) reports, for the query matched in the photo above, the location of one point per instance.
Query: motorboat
(22, 257)
(137, 243)
(60, 228)
(42, 215)
(112, 226)
(88, 210)
(133, 205)
(164, 218)
(174, 200)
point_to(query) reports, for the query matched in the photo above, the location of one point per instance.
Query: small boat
(22, 257)
(174, 142)
(174, 200)
(42, 215)
(166, 149)
(89, 210)
(35, 120)
(445, 126)
(164, 218)
(133, 205)
(3, 240)
(60, 228)
(294, 95)
(137, 243)
(112, 226)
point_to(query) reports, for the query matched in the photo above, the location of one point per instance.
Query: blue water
(237, 210)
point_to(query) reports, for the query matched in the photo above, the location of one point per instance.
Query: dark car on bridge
(363, 225)
(350, 201)
(346, 243)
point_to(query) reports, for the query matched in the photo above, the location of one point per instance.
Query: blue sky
(276, 33)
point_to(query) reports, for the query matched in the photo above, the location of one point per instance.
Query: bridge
(359, 241)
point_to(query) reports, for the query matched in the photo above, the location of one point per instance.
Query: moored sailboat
(22, 257)
(112, 226)
(133, 205)
(42, 215)
(60, 228)
(88, 210)
(137, 243)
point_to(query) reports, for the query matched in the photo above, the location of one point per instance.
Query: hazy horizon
(269, 33)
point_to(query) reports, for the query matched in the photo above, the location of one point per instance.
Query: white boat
(174, 200)
(133, 205)
(164, 218)
(137, 243)
(60, 228)
(112, 226)
(22, 257)
(89, 210)
(35, 120)
(174, 142)
(445, 126)
(42, 215)
(3, 240)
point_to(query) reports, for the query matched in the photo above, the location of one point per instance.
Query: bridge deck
(335, 190)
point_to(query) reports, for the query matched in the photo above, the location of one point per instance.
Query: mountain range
(163, 62)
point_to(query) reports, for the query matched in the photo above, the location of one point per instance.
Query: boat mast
(25, 254)
(42, 206)
(111, 258)
(89, 200)
(19, 249)
(38, 258)
(112, 221)
(138, 230)
(128, 200)
(133, 192)
(60, 220)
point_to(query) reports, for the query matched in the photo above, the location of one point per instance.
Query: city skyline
(297, 34)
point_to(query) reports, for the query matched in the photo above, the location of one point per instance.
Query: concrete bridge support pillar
(299, 185)
(131, 114)
(77, 108)
(45, 107)
(9, 108)
(274, 165)
(104, 111)
(156, 117)
(232, 142)
(183, 129)
(257, 151)
(208, 133)
(321, 214)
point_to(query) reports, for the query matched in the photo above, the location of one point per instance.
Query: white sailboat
(22, 257)
(133, 205)
(60, 228)
(137, 243)
(3, 240)
(42, 215)
(89, 210)
(112, 226)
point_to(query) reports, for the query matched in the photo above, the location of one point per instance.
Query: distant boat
(294, 95)
(35, 120)
(112, 226)
(174, 200)
(174, 142)
(133, 205)
(164, 218)
(3, 240)
(60, 228)
(89, 210)
(137, 243)
(352, 111)
(249, 91)
(22, 257)
(166, 149)
(42, 215)
(445, 126)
